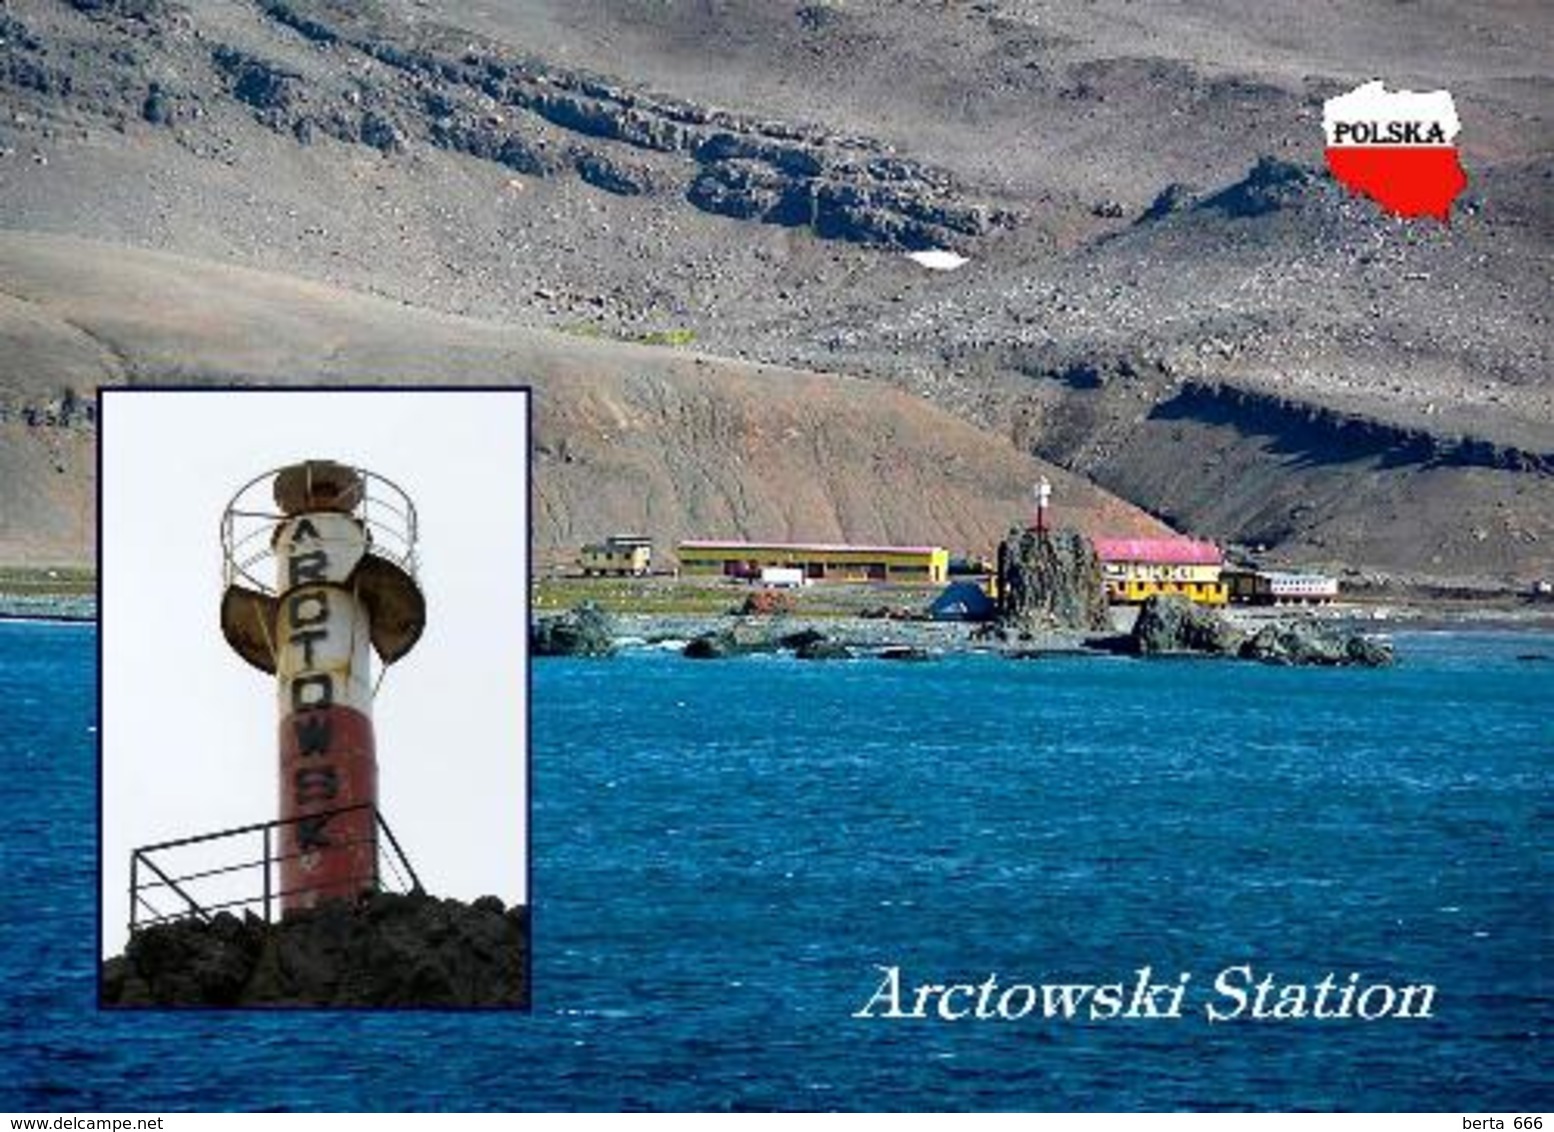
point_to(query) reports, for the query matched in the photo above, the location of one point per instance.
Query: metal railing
(248, 527)
(208, 890)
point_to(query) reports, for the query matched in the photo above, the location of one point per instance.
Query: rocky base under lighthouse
(388, 950)
(1050, 580)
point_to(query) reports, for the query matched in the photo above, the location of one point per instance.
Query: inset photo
(314, 691)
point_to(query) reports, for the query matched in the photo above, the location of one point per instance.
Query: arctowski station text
(1236, 993)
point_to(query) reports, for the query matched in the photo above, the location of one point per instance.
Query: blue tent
(961, 601)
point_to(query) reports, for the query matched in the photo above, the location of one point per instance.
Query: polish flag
(1397, 147)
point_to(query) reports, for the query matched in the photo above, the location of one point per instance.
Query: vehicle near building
(782, 577)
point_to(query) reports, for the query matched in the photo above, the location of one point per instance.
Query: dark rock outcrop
(387, 950)
(490, 143)
(1369, 652)
(748, 190)
(708, 646)
(616, 177)
(584, 631)
(158, 108)
(1333, 434)
(1271, 185)
(738, 639)
(1168, 623)
(69, 410)
(1306, 642)
(269, 88)
(143, 10)
(1050, 580)
(482, 100)
(1172, 625)
(309, 29)
(747, 639)
(803, 639)
(823, 649)
(1175, 197)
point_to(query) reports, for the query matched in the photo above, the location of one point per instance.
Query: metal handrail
(142, 857)
(379, 495)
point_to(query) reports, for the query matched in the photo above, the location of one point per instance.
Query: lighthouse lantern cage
(369, 539)
(252, 519)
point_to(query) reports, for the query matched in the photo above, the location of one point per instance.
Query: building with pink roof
(1137, 568)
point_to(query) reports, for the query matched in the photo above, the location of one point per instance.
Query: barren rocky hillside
(1165, 292)
(627, 436)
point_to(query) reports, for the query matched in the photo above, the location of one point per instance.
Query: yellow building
(821, 562)
(618, 556)
(1136, 568)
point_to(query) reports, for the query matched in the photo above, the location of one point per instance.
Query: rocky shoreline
(812, 638)
(48, 607)
(1050, 599)
(1290, 640)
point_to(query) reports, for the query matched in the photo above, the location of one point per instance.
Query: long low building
(821, 562)
(1281, 587)
(1137, 568)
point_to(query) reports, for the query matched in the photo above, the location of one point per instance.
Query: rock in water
(738, 639)
(1169, 623)
(708, 646)
(1306, 642)
(823, 649)
(1050, 580)
(803, 639)
(1368, 652)
(584, 631)
(386, 950)
(1293, 642)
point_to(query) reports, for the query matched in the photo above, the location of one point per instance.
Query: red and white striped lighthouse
(1042, 494)
(340, 588)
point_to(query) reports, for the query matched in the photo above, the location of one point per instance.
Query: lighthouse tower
(320, 562)
(1042, 494)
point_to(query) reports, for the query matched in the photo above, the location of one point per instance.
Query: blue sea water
(726, 854)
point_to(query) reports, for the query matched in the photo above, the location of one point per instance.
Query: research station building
(619, 556)
(820, 562)
(1134, 569)
(1281, 587)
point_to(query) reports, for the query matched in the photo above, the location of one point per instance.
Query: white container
(782, 577)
